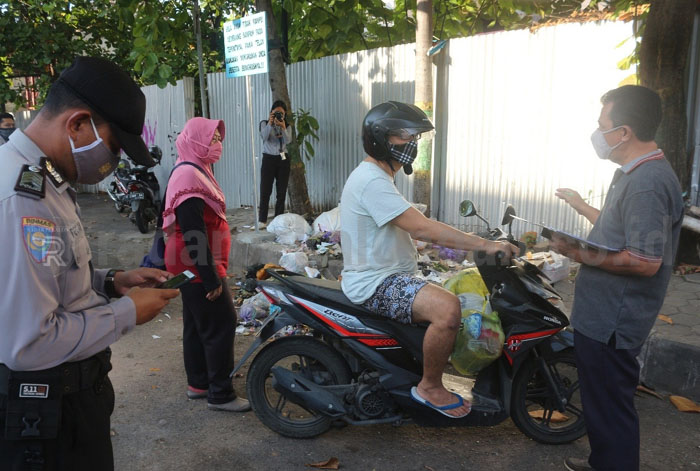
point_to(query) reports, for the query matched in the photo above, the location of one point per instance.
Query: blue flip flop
(441, 409)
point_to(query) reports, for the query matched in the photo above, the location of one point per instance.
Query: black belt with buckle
(74, 376)
(33, 398)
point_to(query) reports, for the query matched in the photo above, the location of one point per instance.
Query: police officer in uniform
(58, 315)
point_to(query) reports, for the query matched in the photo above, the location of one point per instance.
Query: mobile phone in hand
(177, 281)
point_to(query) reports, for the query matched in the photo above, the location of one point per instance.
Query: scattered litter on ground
(665, 318)
(289, 228)
(155, 336)
(167, 315)
(684, 404)
(331, 463)
(294, 261)
(557, 417)
(646, 390)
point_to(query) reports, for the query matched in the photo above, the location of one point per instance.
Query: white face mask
(601, 146)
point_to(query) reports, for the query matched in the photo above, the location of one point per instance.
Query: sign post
(245, 44)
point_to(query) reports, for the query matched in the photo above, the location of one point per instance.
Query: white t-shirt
(373, 249)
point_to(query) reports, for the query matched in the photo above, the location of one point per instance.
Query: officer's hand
(141, 277)
(509, 250)
(150, 301)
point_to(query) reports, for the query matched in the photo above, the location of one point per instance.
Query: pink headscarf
(187, 181)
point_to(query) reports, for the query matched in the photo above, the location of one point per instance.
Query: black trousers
(83, 442)
(273, 169)
(207, 339)
(608, 379)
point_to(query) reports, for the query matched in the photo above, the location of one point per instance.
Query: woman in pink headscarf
(198, 239)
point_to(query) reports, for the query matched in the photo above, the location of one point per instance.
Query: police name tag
(34, 391)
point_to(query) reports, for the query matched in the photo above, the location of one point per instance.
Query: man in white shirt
(378, 226)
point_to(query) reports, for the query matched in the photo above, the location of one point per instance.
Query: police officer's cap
(112, 94)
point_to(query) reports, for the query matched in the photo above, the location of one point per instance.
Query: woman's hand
(215, 293)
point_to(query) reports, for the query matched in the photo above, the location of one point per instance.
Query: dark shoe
(194, 393)
(577, 464)
(237, 405)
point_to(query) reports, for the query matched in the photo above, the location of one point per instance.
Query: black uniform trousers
(273, 169)
(83, 442)
(609, 379)
(208, 332)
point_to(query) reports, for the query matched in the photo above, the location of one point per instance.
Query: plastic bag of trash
(289, 228)
(328, 221)
(294, 261)
(254, 308)
(480, 338)
(559, 268)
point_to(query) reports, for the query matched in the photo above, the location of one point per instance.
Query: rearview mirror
(466, 208)
(508, 216)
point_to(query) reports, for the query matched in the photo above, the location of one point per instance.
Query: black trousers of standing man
(207, 341)
(608, 379)
(273, 169)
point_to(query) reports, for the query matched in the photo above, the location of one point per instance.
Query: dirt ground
(155, 427)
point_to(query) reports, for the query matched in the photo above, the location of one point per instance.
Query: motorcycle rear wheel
(141, 216)
(534, 404)
(303, 355)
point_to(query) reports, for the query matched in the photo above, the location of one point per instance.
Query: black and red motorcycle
(348, 365)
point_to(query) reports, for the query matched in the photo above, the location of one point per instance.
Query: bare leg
(441, 308)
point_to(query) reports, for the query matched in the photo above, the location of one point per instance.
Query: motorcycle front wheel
(534, 404)
(141, 216)
(306, 356)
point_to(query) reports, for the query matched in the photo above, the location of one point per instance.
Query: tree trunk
(422, 182)
(662, 64)
(298, 191)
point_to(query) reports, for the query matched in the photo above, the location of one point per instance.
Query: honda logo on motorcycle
(514, 344)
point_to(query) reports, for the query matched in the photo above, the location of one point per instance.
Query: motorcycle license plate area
(136, 196)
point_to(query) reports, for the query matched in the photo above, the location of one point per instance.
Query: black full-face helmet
(389, 118)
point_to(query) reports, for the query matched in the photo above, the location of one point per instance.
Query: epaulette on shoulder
(31, 181)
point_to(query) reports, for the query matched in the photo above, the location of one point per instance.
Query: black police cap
(111, 93)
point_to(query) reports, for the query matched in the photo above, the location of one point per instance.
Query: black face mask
(5, 132)
(404, 153)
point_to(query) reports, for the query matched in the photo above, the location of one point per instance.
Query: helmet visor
(411, 134)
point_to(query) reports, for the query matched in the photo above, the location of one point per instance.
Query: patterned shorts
(394, 297)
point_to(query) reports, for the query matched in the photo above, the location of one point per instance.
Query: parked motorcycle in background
(136, 188)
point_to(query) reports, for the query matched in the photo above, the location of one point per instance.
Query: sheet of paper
(548, 233)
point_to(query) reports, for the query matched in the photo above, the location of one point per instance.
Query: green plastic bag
(480, 338)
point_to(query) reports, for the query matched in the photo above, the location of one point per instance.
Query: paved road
(157, 428)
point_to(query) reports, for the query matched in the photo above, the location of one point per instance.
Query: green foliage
(305, 128)
(155, 40)
(41, 38)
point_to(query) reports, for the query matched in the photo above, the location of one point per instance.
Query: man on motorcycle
(619, 293)
(378, 226)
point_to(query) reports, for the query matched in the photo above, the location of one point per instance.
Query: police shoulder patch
(38, 234)
(31, 181)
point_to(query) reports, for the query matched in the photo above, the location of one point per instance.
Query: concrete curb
(673, 366)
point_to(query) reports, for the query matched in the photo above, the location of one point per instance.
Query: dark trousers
(83, 442)
(207, 339)
(273, 169)
(608, 379)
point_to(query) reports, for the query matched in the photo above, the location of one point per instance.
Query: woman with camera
(275, 135)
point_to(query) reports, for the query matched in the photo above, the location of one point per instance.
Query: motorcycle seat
(326, 289)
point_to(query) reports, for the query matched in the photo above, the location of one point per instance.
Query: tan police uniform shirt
(52, 303)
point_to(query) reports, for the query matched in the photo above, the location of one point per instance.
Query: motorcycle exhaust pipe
(307, 393)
